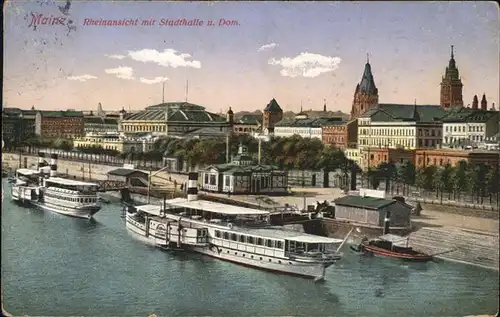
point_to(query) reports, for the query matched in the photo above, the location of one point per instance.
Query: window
(206, 178)
(227, 181)
(270, 243)
(250, 240)
(260, 241)
(242, 238)
(234, 237)
(226, 235)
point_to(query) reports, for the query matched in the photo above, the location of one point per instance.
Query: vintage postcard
(250, 158)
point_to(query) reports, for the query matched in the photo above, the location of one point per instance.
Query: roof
(150, 209)
(214, 207)
(363, 202)
(306, 122)
(367, 84)
(273, 106)
(457, 115)
(230, 168)
(252, 119)
(405, 112)
(125, 172)
(70, 182)
(177, 112)
(59, 114)
(282, 233)
(26, 171)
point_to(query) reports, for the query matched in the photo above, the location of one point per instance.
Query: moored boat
(48, 192)
(393, 246)
(232, 233)
(390, 245)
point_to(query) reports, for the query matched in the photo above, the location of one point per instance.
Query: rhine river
(54, 265)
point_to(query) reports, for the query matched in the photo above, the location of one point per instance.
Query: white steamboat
(231, 233)
(60, 195)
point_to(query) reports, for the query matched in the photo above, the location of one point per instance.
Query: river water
(54, 265)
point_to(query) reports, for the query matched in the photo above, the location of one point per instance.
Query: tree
(447, 180)
(460, 178)
(408, 172)
(425, 177)
(493, 183)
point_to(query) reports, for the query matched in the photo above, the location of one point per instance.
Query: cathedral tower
(366, 93)
(451, 86)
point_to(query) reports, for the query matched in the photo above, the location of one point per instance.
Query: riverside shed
(130, 176)
(372, 211)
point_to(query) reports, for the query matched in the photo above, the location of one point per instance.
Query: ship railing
(325, 256)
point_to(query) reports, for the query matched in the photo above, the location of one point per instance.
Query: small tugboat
(391, 245)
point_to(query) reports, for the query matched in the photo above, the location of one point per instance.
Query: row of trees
(286, 153)
(451, 182)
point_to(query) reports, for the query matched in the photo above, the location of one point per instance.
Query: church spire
(366, 93)
(451, 85)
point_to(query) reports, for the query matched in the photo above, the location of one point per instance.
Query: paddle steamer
(231, 233)
(49, 192)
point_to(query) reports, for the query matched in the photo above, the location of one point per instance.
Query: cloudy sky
(294, 52)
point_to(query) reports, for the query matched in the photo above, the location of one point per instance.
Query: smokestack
(192, 187)
(387, 221)
(40, 162)
(40, 165)
(53, 165)
(354, 176)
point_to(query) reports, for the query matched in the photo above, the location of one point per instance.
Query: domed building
(176, 119)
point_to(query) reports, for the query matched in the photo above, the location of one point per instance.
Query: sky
(297, 52)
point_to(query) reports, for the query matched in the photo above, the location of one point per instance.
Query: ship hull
(85, 212)
(396, 255)
(268, 263)
(310, 271)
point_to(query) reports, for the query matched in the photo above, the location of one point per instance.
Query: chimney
(192, 187)
(53, 165)
(387, 221)
(40, 165)
(40, 162)
(484, 103)
(475, 103)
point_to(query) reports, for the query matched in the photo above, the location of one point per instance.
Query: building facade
(366, 93)
(373, 157)
(469, 127)
(303, 126)
(248, 124)
(401, 126)
(115, 142)
(97, 124)
(353, 154)
(17, 125)
(372, 211)
(63, 124)
(174, 119)
(442, 157)
(272, 115)
(334, 133)
(451, 86)
(242, 176)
